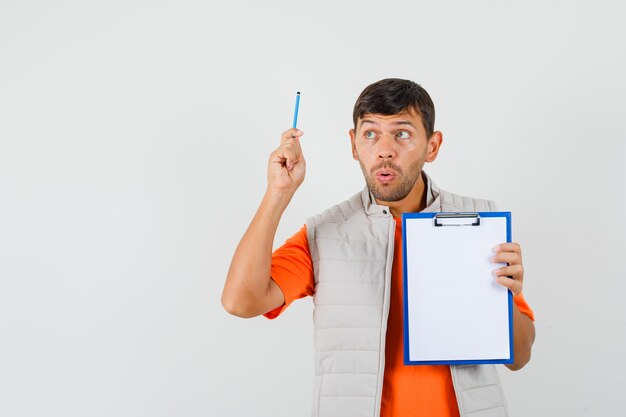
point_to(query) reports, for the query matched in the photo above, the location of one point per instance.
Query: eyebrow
(399, 122)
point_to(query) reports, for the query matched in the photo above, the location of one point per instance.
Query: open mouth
(385, 175)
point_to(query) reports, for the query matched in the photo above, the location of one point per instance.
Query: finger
(281, 156)
(508, 247)
(512, 284)
(516, 271)
(295, 144)
(290, 156)
(299, 168)
(506, 257)
(290, 134)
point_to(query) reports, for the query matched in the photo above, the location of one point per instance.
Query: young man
(349, 258)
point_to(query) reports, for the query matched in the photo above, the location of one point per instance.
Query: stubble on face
(388, 191)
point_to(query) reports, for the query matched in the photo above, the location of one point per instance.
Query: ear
(434, 143)
(355, 155)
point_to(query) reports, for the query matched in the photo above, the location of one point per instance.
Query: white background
(133, 144)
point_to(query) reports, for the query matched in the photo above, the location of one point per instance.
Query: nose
(386, 147)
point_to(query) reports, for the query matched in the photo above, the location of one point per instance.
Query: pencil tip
(298, 93)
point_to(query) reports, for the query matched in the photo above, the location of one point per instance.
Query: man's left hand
(511, 276)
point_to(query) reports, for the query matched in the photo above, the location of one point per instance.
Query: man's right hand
(286, 167)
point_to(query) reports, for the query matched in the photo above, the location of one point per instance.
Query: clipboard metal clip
(457, 219)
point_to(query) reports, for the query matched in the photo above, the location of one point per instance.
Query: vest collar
(433, 199)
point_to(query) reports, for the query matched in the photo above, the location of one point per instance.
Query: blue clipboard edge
(407, 361)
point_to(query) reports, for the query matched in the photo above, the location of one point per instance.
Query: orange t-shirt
(408, 391)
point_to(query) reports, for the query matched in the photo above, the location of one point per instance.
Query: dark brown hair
(392, 96)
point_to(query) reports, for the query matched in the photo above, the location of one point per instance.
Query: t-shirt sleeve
(292, 270)
(523, 306)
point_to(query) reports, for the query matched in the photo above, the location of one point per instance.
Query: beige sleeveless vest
(351, 247)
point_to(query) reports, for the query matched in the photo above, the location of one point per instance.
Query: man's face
(391, 151)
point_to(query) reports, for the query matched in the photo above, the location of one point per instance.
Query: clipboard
(454, 311)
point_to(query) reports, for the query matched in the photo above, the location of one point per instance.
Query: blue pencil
(295, 113)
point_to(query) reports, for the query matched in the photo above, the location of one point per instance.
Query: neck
(414, 202)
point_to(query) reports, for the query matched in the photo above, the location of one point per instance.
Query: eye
(370, 134)
(403, 134)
